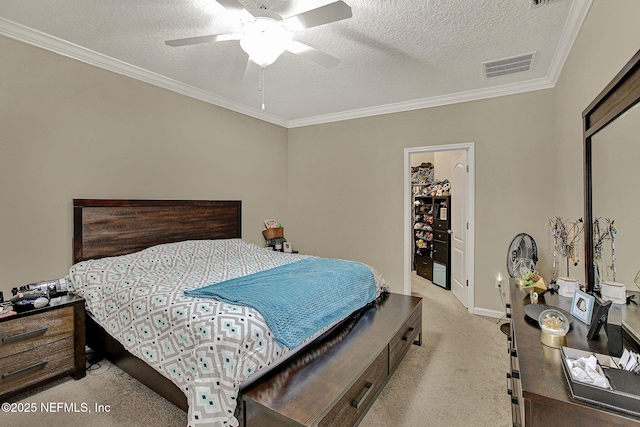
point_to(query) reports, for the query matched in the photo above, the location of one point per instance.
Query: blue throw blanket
(299, 299)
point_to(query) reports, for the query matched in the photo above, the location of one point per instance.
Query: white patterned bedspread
(207, 348)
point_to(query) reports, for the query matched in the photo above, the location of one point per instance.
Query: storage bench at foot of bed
(336, 380)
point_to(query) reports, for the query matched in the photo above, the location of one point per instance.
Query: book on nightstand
(6, 313)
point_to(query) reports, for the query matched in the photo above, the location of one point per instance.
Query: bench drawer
(407, 334)
(357, 400)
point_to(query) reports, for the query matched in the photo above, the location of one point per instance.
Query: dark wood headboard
(104, 228)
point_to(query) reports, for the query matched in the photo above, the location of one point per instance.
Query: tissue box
(626, 385)
(614, 292)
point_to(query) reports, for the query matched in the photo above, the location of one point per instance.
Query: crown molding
(71, 50)
(434, 101)
(577, 16)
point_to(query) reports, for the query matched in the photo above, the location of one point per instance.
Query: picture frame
(286, 247)
(582, 306)
(599, 318)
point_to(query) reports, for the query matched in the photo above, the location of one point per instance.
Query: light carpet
(457, 377)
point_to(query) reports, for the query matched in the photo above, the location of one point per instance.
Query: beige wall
(346, 181)
(609, 38)
(419, 158)
(442, 160)
(69, 130)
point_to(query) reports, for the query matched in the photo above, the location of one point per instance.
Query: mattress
(206, 347)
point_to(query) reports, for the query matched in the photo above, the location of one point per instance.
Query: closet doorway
(455, 164)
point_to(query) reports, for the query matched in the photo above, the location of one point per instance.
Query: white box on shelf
(614, 292)
(567, 286)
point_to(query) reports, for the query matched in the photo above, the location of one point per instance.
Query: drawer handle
(23, 370)
(363, 395)
(24, 335)
(406, 337)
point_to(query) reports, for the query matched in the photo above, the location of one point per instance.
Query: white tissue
(586, 370)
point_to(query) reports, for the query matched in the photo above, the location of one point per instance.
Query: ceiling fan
(266, 35)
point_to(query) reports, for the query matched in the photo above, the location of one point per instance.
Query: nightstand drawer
(355, 402)
(25, 333)
(29, 367)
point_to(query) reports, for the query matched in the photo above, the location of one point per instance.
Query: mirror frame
(619, 96)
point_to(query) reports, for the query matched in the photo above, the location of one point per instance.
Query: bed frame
(359, 355)
(104, 228)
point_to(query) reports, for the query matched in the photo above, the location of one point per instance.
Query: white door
(459, 226)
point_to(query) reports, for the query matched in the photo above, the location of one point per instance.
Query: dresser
(539, 393)
(40, 345)
(336, 381)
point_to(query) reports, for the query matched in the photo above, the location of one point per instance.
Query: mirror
(615, 177)
(612, 179)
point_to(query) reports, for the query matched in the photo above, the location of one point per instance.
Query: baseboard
(488, 313)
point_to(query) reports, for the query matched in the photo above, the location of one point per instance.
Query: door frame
(469, 147)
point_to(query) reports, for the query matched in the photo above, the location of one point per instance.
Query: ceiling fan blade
(251, 70)
(237, 8)
(322, 15)
(203, 39)
(313, 55)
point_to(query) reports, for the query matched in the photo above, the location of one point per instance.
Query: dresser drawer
(25, 333)
(441, 236)
(424, 266)
(440, 225)
(29, 367)
(407, 334)
(356, 401)
(440, 252)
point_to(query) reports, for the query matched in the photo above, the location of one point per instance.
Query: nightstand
(40, 345)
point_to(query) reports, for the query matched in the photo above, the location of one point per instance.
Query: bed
(126, 228)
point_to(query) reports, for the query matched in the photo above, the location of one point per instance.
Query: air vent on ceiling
(515, 64)
(538, 3)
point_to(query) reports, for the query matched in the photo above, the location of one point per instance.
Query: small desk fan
(522, 256)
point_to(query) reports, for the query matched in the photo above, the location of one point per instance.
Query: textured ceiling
(395, 55)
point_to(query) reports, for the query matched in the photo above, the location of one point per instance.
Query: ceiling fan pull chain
(261, 84)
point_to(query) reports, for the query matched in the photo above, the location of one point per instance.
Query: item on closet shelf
(567, 286)
(422, 174)
(614, 292)
(443, 213)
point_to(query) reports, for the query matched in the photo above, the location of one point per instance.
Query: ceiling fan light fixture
(264, 40)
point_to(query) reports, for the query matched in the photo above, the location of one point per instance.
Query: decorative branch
(566, 236)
